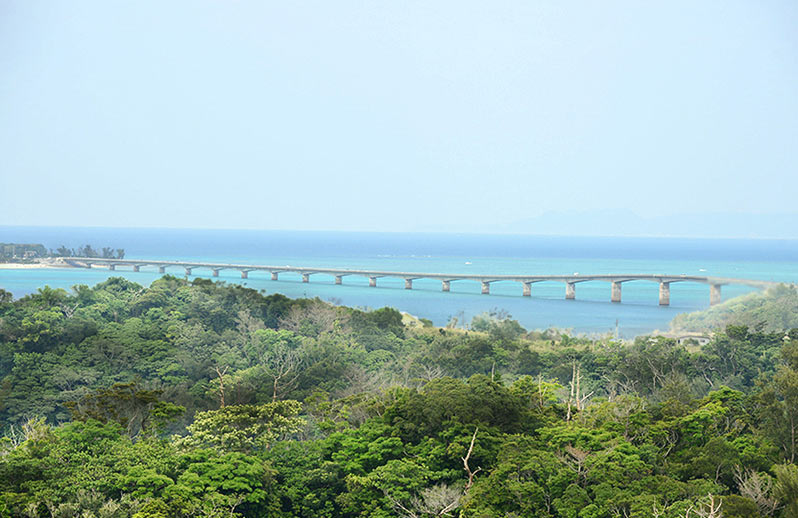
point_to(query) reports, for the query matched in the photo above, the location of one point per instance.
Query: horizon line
(416, 232)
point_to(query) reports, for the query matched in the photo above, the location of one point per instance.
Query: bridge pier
(714, 294)
(664, 294)
(715, 283)
(570, 290)
(616, 291)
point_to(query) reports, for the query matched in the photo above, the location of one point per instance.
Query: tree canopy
(207, 399)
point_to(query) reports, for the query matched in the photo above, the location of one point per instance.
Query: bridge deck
(615, 277)
(486, 279)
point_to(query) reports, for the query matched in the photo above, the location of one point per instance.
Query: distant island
(30, 253)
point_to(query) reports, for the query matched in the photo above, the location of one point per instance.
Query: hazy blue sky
(393, 115)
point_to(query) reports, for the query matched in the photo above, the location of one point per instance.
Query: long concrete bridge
(570, 281)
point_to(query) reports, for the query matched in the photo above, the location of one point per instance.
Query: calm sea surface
(774, 260)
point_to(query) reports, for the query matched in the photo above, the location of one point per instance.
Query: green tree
(135, 408)
(778, 410)
(786, 488)
(243, 428)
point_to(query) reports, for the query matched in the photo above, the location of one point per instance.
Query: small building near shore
(688, 337)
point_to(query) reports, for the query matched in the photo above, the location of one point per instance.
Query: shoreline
(57, 263)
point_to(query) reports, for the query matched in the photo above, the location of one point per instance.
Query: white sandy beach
(50, 263)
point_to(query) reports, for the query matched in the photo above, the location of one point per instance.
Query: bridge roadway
(446, 279)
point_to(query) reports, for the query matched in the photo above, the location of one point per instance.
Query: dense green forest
(206, 399)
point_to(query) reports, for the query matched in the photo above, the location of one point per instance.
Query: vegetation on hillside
(774, 309)
(206, 399)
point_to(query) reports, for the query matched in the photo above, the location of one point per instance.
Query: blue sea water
(591, 313)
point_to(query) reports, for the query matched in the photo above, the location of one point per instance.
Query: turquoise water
(592, 312)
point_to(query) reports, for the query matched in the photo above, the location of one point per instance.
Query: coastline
(55, 263)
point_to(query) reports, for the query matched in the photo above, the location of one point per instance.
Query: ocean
(591, 313)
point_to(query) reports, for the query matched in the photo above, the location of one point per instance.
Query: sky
(399, 116)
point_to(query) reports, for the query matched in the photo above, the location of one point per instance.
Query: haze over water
(773, 260)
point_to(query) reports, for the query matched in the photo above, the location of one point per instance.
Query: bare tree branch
(468, 471)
